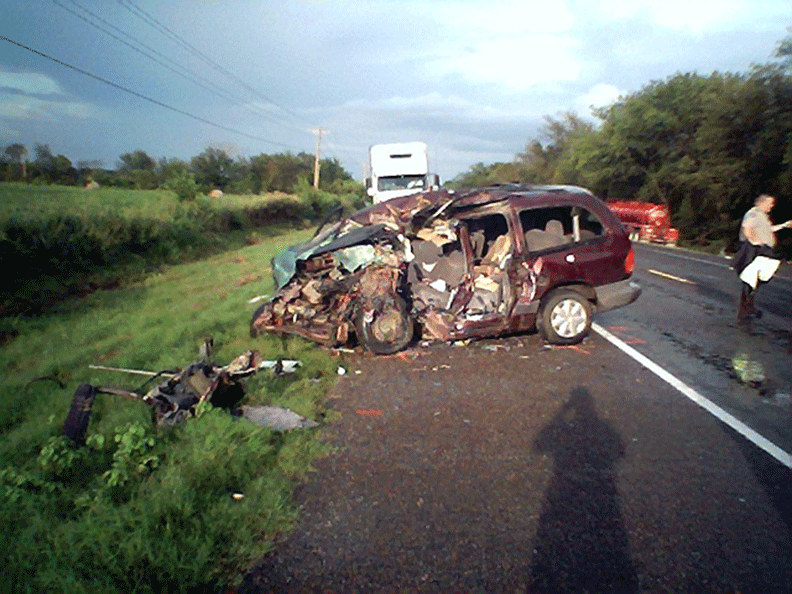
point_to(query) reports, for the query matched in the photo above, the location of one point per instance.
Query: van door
(489, 244)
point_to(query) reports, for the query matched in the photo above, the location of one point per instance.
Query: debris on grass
(276, 417)
(176, 398)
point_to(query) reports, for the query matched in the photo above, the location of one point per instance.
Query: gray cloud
(473, 79)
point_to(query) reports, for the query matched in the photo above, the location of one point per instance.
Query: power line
(146, 17)
(184, 73)
(144, 97)
(132, 46)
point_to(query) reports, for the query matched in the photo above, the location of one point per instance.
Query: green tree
(88, 168)
(784, 51)
(166, 169)
(136, 170)
(282, 172)
(182, 183)
(5, 167)
(52, 169)
(564, 135)
(533, 163)
(705, 146)
(553, 162)
(212, 169)
(478, 175)
(136, 160)
(332, 173)
(18, 153)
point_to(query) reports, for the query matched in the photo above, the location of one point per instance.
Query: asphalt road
(686, 321)
(508, 466)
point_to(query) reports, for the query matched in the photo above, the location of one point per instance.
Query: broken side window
(588, 223)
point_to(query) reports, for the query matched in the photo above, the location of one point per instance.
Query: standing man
(756, 261)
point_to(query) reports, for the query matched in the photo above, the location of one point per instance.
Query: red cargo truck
(646, 222)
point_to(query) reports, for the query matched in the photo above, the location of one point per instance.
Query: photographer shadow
(581, 544)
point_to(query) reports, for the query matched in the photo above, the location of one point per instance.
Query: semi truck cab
(398, 169)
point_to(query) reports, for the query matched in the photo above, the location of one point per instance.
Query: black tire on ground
(385, 327)
(565, 317)
(79, 415)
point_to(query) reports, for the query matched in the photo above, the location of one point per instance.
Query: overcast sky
(473, 79)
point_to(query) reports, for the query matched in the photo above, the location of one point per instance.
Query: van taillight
(629, 262)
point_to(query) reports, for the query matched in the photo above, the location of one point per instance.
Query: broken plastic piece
(280, 366)
(277, 418)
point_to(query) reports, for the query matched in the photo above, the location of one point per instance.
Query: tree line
(705, 146)
(213, 169)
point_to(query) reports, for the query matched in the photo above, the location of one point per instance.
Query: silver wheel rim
(569, 318)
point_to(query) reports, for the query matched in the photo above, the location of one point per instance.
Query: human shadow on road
(581, 544)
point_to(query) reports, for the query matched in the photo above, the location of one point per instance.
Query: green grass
(138, 510)
(73, 240)
(34, 201)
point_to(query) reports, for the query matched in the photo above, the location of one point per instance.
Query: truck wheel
(384, 327)
(565, 317)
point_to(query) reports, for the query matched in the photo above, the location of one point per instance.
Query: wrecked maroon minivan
(455, 265)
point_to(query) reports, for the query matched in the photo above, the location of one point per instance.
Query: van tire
(565, 317)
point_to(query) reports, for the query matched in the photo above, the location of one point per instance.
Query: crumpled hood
(284, 265)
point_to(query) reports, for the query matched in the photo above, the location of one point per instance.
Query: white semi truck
(399, 169)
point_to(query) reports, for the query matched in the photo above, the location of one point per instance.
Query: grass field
(138, 510)
(32, 201)
(71, 240)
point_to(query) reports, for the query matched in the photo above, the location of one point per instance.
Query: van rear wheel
(565, 317)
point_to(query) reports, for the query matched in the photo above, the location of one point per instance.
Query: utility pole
(318, 133)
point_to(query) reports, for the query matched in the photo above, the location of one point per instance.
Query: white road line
(784, 457)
